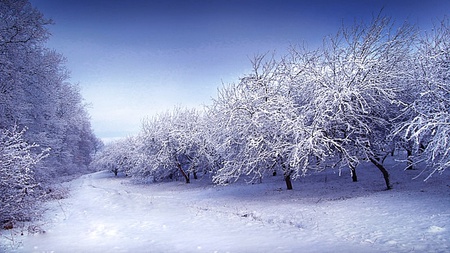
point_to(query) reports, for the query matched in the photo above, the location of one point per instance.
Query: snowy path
(107, 214)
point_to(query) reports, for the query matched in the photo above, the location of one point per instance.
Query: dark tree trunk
(184, 174)
(383, 170)
(288, 180)
(195, 174)
(409, 159)
(353, 172)
(287, 176)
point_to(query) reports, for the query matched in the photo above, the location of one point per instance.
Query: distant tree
(150, 142)
(167, 158)
(117, 156)
(172, 144)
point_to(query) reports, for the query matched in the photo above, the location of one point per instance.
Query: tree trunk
(184, 174)
(353, 172)
(409, 159)
(195, 174)
(287, 178)
(383, 170)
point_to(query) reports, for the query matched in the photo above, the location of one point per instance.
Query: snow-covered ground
(324, 213)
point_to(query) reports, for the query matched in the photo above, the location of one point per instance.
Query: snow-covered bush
(18, 187)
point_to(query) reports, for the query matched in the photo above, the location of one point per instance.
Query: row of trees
(369, 90)
(44, 127)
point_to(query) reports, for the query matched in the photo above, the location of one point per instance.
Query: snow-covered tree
(357, 82)
(172, 144)
(117, 156)
(18, 196)
(365, 92)
(428, 125)
(336, 103)
(22, 31)
(260, 126)
(241, 126)
(34, 93)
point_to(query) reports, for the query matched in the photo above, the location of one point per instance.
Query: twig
(62, 209)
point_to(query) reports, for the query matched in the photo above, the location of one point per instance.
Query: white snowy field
(325, 212)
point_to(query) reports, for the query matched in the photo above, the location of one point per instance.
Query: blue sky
(136, 58)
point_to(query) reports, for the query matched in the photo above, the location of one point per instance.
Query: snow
(325, 212)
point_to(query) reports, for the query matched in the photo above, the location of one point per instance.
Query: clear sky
(136, 58)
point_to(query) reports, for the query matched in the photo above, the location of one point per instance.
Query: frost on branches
(17, 183)
(312, 108)
(357, 86)
(115, 157)
(173, 145)
(34, 93)
(259, 126)
(429, 125)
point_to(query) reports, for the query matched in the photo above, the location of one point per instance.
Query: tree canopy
(35, 95)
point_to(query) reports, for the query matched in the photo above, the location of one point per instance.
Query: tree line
(369, 90)
(45, 131)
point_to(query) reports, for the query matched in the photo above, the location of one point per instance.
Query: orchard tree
(428, 127)
(356, 87)
(242, 126)
(239, 129)
(117, 156)
(173, 144)
(261, 124)
(336, 104)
